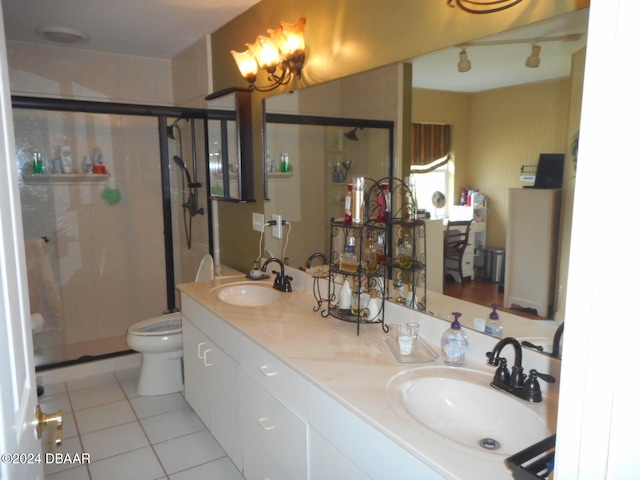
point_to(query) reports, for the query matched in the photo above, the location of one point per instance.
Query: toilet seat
(163, 325)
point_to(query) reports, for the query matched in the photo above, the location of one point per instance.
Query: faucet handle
(543, 376)
(532, 386)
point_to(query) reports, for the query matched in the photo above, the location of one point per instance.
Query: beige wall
(511, 127)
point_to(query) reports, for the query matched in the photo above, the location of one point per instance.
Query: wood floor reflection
(482, 292)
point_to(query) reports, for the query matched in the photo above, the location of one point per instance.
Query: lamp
(464, 65)
(281, 54)
(533, 60)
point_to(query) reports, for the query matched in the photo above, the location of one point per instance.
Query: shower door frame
(162, 113)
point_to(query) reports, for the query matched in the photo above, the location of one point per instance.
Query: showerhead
(170, 133)
(182, 165)
(351, 134)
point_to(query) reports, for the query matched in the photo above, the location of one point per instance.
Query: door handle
(44, 419)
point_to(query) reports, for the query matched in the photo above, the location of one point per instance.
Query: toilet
(159, 340)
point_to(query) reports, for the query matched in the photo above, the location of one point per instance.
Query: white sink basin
(248, 294)
(459, 404)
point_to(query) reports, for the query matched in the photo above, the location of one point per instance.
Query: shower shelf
(66, 178)
(279, 175)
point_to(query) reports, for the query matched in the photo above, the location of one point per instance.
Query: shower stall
(116, 213)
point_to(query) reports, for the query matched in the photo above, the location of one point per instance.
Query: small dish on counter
(420, 353)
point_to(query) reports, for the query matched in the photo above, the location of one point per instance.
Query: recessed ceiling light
(67, 36)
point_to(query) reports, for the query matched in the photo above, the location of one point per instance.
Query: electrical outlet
(258, 222)
(276, 230)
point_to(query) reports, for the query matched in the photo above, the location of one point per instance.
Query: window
(427, 184)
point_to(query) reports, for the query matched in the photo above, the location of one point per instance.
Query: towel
(44, 296)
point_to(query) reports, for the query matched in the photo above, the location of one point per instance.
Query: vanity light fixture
(281, 54)
(464, 65)
(533, 60)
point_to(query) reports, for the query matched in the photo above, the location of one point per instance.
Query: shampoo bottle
(454, 343)
(494, 325)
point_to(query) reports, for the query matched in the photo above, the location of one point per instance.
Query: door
(19, 445)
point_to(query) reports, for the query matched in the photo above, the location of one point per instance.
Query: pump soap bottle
(494, 325)
(454, 343)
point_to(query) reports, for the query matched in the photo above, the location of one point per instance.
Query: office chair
(455, 242)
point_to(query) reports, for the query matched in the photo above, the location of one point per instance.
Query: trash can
(494, 261)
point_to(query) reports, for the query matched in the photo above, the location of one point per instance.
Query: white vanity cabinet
(274, 404)
(211, 376)
(357, 446)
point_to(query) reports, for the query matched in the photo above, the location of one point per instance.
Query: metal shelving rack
(400, 223)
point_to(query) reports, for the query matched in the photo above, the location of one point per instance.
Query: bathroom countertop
(354, 369)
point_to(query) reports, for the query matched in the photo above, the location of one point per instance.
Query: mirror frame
(244, 143)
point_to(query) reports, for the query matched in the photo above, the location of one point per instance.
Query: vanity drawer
(270, 431)
(291, 388)
(216, 329)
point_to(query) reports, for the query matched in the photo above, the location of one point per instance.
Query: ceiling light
(533, 60)
(464, 65)
(281, 55)
(63, 35)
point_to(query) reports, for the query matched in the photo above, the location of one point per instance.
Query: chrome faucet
(282, 281)
(516, 382)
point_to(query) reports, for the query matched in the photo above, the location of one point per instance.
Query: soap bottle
(381, 202)
(454, 343)
(494, 325)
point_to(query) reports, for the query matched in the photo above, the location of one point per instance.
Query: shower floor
(81, 350)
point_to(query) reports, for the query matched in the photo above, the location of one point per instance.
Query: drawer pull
(263, 426)
(204, 358)
(265, 371)
(199, 351)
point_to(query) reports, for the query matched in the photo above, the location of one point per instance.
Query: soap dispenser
(454, 343)
(494, 325)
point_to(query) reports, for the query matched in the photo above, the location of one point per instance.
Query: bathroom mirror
(440, 95)
(230, 146)
(320, 160)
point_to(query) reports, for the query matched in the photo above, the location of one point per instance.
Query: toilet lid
(163, 325)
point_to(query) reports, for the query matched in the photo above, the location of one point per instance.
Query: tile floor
(128, 436)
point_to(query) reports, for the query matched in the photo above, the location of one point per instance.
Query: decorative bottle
(348, 258)
(405, 252)
(348, 218)
(454, 343)
(344, 299)
(381, 201)
(374, 306)
(358, 200)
